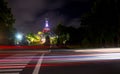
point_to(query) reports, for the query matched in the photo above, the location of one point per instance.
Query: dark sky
(30, 14)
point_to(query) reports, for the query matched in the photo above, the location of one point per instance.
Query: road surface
(64, 61)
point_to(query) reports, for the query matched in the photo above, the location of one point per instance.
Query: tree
(63, 34)
(33, 39)
(101, 23)
(6, 23)
(60, 29)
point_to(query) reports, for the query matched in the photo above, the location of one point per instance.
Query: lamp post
(18, 38)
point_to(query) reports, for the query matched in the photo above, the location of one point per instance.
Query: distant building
(46, 29)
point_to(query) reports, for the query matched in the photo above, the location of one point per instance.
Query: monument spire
(46, 28)
(46, 22)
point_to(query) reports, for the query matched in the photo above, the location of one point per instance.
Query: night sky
(30, 14)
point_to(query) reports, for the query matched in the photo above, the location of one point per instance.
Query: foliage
(33, 39)
(99, 27)
(63, 34)
(53, 40)
(101, 23)
(6, 23)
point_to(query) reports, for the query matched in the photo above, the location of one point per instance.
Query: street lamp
(19, 38)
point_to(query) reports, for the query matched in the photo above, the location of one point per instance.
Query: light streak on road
(10, 70)
(79, 58)
(24, 52)
(11, 64)
(60, 57)
(9, 67)
(102, 50)
(87, 55)
(15, 61)
(10, 73)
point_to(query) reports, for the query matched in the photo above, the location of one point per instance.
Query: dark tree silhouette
(102, 22)
(6, 23)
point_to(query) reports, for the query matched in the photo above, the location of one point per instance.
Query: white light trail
(10, 73)
(81, 58)
(102, 50)
(10, 70)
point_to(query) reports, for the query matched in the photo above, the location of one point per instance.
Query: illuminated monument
(44, 37)
(46, 29)
(48, 37)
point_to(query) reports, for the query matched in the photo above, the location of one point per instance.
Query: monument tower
(46, 28)
(46, 31)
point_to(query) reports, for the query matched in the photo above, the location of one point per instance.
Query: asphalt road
(56, 61)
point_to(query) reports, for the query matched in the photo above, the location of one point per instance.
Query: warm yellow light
(39, 33)
(43, 40)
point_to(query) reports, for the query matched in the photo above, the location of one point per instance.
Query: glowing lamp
(19, 36)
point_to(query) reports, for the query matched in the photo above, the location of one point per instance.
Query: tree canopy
(100, 26)
(6, 23)
(102, 22)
